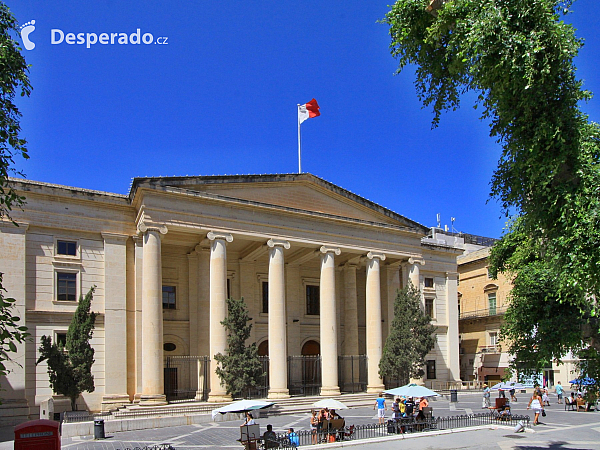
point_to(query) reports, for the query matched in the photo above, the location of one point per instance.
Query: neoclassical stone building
(317, 266)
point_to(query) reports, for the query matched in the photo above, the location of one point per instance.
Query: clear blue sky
(220, 98)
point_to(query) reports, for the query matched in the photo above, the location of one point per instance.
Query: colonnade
(152, 322)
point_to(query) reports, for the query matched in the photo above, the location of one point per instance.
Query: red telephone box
(39, 434)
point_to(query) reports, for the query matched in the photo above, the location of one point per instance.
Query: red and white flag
(308, 111)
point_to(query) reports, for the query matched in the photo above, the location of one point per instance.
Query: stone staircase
(291, 405)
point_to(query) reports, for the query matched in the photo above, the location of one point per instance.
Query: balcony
(490, 349)
(479, 313)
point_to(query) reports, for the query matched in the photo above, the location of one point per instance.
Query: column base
(153, 400)
(375, 389)
(219, 398)
(200, 396)
(278, 393)
(330, 391)
(114, 402)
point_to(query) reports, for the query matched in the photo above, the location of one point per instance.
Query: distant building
(317, 266)
(482, 304)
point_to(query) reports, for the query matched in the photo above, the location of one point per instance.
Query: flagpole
(299, 152)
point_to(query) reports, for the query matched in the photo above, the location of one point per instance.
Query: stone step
(282, 406)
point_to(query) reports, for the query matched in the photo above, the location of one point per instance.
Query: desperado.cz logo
(58, 36)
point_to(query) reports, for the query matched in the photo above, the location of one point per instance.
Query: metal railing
(458, 385)
(186, 378)
(490, 349)
(486, 312)
(406, 425)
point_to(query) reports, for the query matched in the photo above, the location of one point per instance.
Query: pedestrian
(314, 422)
(396, 409)
(559, 392)
(293, 438)
(535, 403)
(545, 397)
(513, 397)
(380, 405)
(249, 420)
(486, 396)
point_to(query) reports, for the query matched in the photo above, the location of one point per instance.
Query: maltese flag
(308, 111)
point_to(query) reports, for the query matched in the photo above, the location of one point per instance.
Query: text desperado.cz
(89, 39)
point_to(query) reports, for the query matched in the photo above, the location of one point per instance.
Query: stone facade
(165, 257)
(483, 302)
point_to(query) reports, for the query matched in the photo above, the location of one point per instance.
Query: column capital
(379, 255)
(326, 249)
(413, 260)
(280, 242)
(159, 228)
(214, 235)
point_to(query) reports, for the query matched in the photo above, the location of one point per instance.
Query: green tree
(410, 339)
(13, 79)
(240, 367)
(517, 56)
(70, 366)
(10, 331)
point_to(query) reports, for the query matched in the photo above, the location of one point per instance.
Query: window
(68, 248)
(169, 347)
(493, 339)
(429, 307)
(61, 339)
(265, 297)
(169, 297)
(458, 280)
(430, 369)
(66, 286)
(492, 303)
(313, 297)
(489, 274)
(428, 282)
(228, 288)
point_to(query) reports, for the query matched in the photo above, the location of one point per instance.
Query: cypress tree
(70, 365)
(410, 339)
(240, 367)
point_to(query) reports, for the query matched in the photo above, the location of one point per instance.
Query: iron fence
(352, 373)
(261, 390)
(370, 431)
(304, 375)
(186, 378)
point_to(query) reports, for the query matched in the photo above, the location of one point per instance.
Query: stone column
(393, 285)
(350, 311)
(203, 321)
(152, 318)
(328, 323)
(414, 272)
(218, 310)
(374, 328)
(137, 327)
(13, 242)
(453, 356)
(115, 321)
(277, 323)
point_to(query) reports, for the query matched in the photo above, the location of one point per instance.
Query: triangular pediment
(303, 192)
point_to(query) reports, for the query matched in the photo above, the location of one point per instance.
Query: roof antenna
(439, 223)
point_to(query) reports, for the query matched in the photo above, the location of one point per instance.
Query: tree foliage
(70, 366)
(240, 367)
(11, 333)
(13, 80)
(410, 339)
(517, 56)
